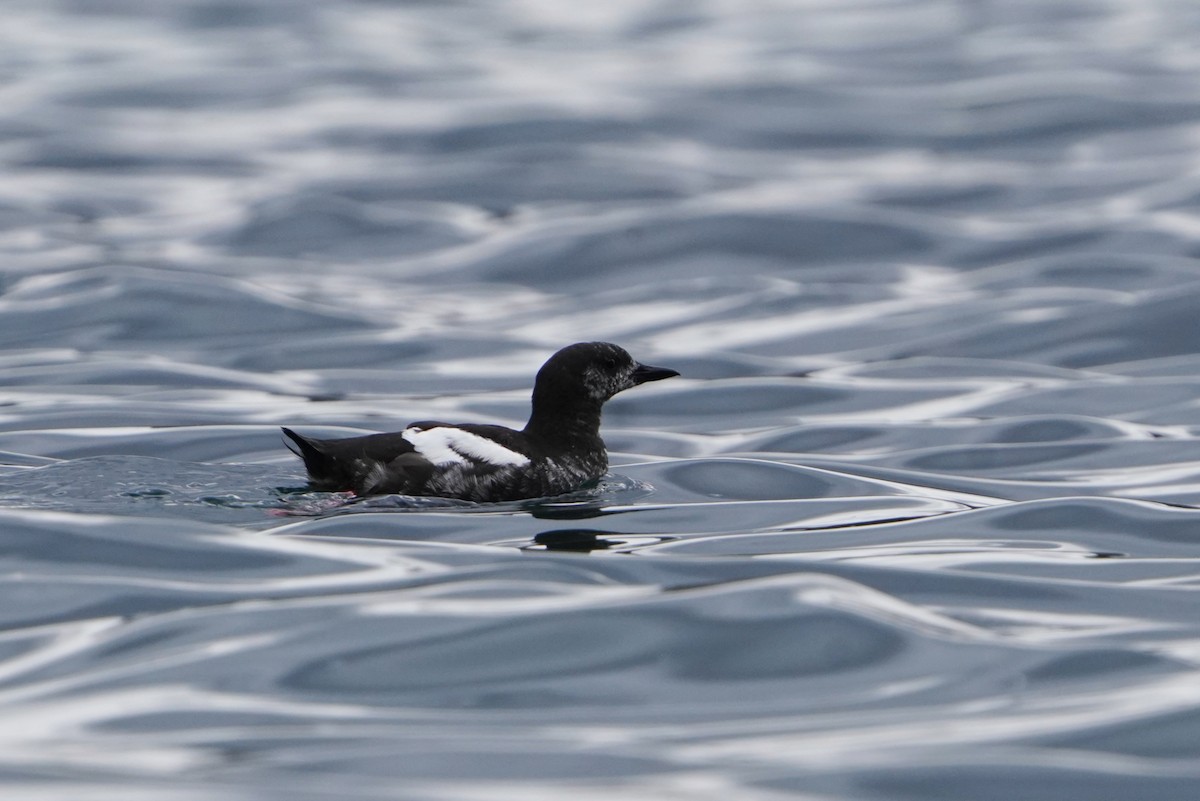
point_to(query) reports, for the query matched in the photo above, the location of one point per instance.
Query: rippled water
(920, 521)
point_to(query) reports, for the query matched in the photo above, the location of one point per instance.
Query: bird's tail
(312, 456)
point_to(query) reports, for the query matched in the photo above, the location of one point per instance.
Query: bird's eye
(610, 363)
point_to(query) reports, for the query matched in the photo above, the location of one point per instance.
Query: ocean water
(919, 521)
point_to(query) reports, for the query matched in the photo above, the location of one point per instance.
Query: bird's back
(342, 464)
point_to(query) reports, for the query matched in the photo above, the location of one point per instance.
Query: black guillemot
(558, 451)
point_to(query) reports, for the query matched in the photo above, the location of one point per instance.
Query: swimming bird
(558, 450)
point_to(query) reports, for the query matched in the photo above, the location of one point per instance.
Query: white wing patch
(446, 446)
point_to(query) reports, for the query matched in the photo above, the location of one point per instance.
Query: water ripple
(917, 522)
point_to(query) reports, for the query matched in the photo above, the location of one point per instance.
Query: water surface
(919, 521)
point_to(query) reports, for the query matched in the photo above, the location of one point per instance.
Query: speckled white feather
(446, 446)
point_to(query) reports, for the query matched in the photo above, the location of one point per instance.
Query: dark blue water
(920, 521)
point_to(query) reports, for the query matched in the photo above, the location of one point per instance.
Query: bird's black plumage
(559, 449)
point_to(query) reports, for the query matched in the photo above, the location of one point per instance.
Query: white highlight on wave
(445, 446)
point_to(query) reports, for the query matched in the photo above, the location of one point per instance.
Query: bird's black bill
(644, 372)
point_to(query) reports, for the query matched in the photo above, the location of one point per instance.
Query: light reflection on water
(917, 522)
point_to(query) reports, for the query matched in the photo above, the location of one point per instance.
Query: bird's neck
(564, 421)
